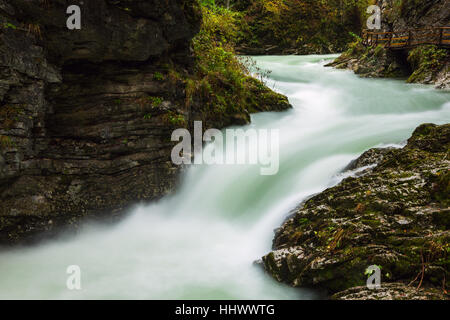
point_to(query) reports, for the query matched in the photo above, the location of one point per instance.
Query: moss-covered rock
(373, 62)
(394, 215)
(429, 65)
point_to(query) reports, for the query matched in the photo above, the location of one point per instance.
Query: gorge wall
(86, 115)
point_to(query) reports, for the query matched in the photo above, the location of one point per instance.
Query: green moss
(425, 60)
(155, 101)
(175, 119)
(378, 50)
(303, 221)
(272, 267)
(295, 23)
(9, 25)
(158, 76)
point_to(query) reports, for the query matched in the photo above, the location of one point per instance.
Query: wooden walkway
(400, 40)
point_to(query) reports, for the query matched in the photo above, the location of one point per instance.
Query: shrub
(220, 75)
(155, 101)
(158, 76)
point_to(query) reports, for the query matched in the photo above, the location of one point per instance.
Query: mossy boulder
(394, 215)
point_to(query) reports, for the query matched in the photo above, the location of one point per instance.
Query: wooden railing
(439, 36)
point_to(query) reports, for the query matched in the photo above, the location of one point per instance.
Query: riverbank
(393, 213)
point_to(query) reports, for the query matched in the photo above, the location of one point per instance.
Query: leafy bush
(221, 88)
(220, 75)
(155, 101)
(158, 76)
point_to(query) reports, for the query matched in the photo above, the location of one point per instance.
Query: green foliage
(208, 3)
(8, 25)
(355, 36)
(175, 119)
(369, 272)
(378, 50)
(220, 75)
(155, 101)
(426, 59)
(354, 49)
(158, 76)
(222, 87)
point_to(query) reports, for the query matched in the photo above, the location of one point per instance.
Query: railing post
(409, 38)
(390, 40)
(441, 35)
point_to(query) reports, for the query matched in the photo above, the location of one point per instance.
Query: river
(201, 242)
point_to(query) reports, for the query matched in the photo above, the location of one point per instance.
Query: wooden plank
(432, 35)
(379, 33)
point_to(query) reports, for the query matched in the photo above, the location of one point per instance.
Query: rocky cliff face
(424, 64)
(394, 213)
(86, 115)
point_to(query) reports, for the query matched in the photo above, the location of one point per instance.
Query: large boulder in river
(394, 215)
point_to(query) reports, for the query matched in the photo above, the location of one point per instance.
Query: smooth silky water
(201, 242)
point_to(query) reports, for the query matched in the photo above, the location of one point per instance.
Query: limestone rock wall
(86, 115)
